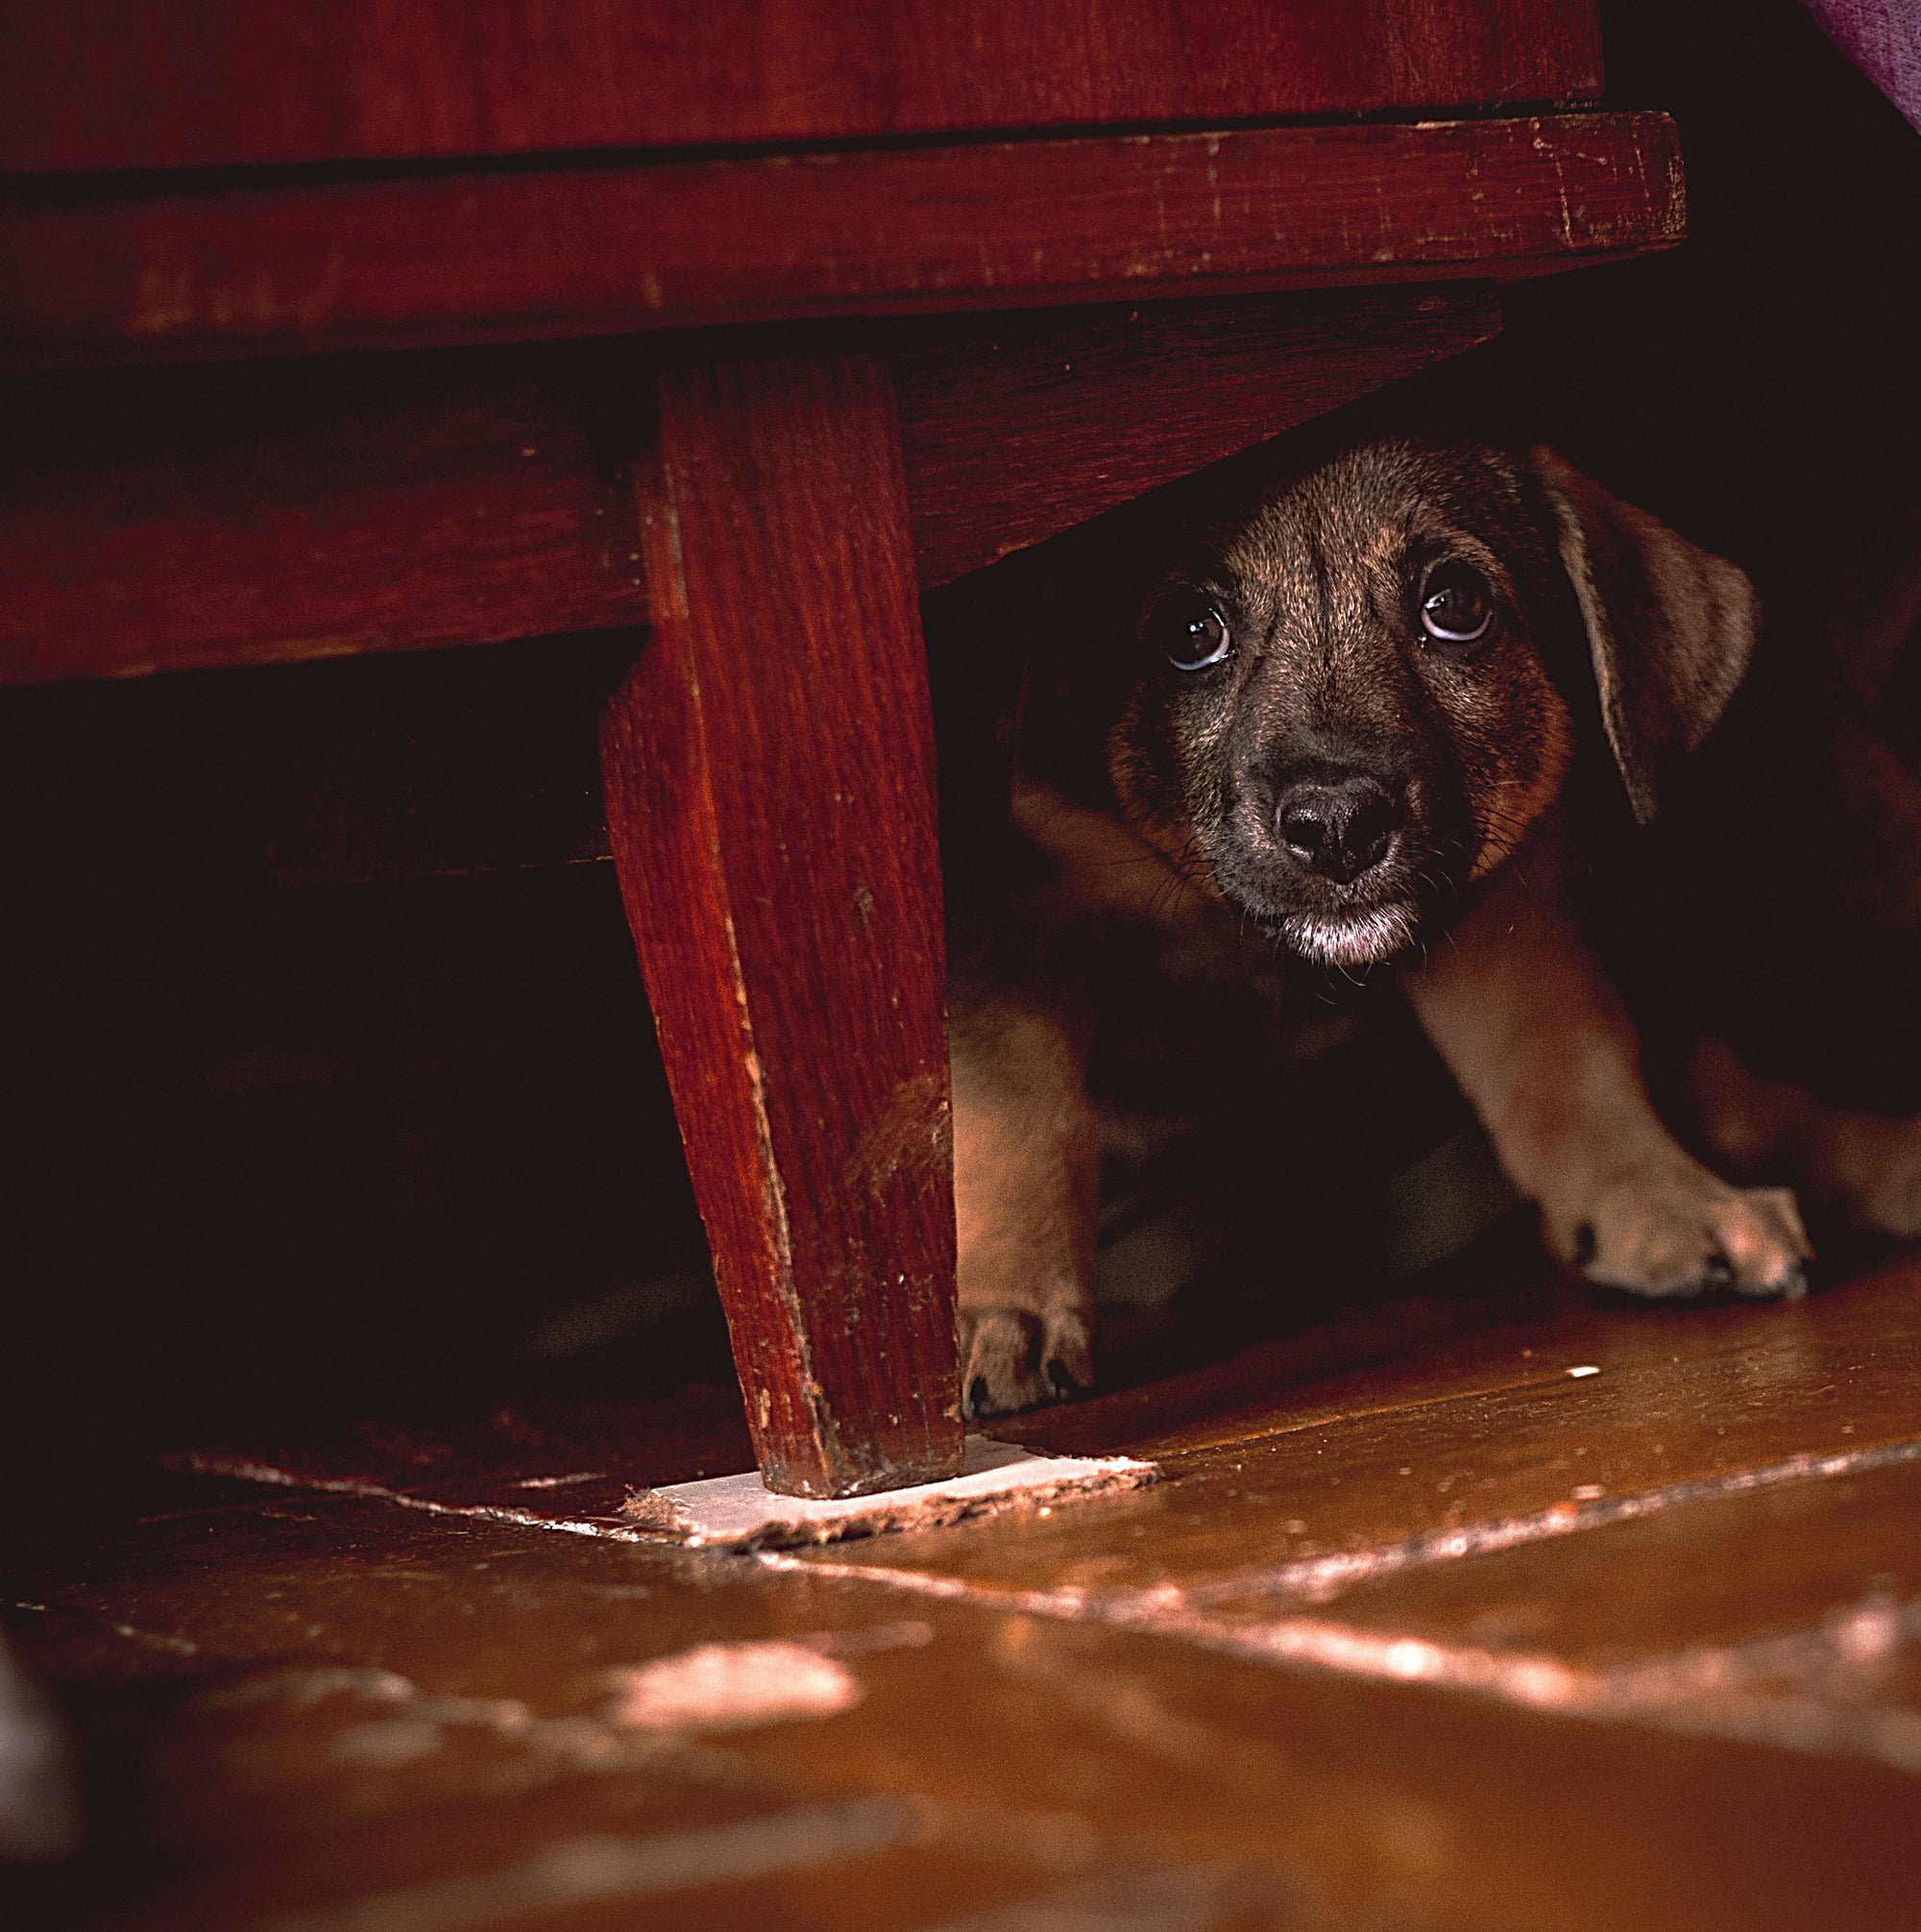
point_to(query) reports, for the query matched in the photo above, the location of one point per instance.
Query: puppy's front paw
(1681, 1230)
(1014, 1358)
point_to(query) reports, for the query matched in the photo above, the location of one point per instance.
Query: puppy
(1362, 726)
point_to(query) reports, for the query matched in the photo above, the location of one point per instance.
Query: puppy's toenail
(977, 1395)
(1059, 1380)
(1584, 1244)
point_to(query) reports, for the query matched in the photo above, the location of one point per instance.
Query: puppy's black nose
(1340, 826)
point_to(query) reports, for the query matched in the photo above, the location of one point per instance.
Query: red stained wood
(476, 256)
(183, 517)
(199, 518)
(140, 84)
(1050, 419)
(770, 781)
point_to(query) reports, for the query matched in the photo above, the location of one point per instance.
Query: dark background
(288, 1148)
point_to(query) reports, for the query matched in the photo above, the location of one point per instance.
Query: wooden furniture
(765, 452)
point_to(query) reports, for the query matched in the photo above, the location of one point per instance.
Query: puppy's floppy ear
(1670, 627)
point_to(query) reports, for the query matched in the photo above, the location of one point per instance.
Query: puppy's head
(1355, 703)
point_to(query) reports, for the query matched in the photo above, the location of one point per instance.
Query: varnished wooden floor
(1596, 1617)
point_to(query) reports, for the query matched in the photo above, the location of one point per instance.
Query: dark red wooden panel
(170, 518)
(179, 518)
(1050, 419)
(579, 251)
(770, 776)
(139, 84)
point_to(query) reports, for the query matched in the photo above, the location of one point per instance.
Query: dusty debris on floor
(740, 1513)
(1457, 1639)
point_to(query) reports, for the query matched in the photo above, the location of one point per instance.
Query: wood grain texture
(182, 518)
(1012, 435)
(177, 518)
(137, 84)
(1485, 1430)
(770, 778)
(575, 251)
(1690, 1701)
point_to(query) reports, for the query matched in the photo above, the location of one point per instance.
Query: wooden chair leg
(770, 773)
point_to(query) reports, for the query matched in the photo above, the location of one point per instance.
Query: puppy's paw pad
(1763, 1245)
(1010, 1360)
(1000, 1362)
(1067, 1352)
(1689, 1233)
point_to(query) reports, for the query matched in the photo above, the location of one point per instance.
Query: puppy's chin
(1344, 927)
(1351, 939)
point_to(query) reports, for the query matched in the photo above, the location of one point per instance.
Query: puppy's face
(1344, 710)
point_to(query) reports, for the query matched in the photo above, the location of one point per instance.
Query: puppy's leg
(1866, 1165)
(1543, 1045)
(1026, 1180)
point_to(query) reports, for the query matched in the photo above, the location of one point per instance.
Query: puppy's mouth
(1363, 937)
(1322, 906)
(1363, 924)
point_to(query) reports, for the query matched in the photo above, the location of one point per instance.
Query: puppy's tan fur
(1026, 1154)
(1331, 672)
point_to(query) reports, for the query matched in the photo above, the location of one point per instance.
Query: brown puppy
(1354, 721)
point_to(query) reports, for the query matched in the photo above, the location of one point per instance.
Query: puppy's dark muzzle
(1339, 827)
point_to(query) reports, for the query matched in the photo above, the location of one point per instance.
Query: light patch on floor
(725, 1686)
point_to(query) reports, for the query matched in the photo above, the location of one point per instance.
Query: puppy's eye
(1456, 605)
(1190, 633)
